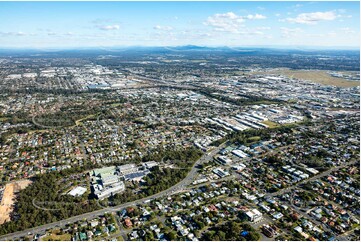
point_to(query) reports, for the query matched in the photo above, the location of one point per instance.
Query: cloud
(106, 24)
(99, 21)
(263, 28)
(288, 32)
(348, 30)
(230, 22)
(165, 28)
(313, 18)
(256, 16)
(325, 35)
(19, 33)
(108, 27)
(250, 32)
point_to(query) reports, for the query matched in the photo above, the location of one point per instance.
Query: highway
(178, 187)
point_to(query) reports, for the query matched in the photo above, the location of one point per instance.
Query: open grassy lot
(57, 237)
(270, 124)
(254, 138)
(321, 77)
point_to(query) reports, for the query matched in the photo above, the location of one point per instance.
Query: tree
(254, 236)
(172, 235)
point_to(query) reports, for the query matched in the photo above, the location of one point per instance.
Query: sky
(108, 24)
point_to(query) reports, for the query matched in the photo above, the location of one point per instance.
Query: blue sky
(103, 24)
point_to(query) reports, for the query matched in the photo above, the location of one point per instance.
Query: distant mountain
(186, 49)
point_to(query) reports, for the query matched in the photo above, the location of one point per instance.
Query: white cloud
(109, 27)
(230, 22)
(313, 18)
(263, 28)
(325, 35)
(348, 30)
(19, 33)
(288, 32)
(256, 16)
(251, 33)
(165, 28)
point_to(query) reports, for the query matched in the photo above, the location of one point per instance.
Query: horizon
(161, 24)
(280, 47)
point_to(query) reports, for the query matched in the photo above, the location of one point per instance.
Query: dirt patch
(8, 198)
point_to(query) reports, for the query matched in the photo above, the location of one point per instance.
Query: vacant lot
(320, 77)
(8, 200)
(56, 235)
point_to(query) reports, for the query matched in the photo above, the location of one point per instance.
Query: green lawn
(254, 138)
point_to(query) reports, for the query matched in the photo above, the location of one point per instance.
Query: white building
(254, 215)
(77, 192)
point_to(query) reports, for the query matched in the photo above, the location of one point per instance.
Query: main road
(178, 187)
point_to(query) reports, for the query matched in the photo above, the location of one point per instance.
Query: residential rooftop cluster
(279, 155)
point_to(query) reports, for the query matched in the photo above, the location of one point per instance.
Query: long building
(106, 182)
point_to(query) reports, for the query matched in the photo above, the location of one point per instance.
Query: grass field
(116, 104)
(320, 77)
(270, 124)
(56, 236)
(254, 138)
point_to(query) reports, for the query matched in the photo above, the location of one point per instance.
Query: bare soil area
(8, 199)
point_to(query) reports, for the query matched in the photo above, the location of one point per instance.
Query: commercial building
(224, 160)
(254, 215)
(106, 182)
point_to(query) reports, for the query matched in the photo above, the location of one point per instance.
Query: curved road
(179, 186)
